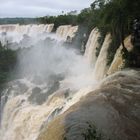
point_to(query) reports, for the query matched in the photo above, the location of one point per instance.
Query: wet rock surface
(114, 108)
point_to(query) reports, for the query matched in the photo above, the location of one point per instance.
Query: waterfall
(57, 97)
(65, 31)
(8, 27)
(23, 120)
(98, 64)
(91, 46)
(101, 63)
(15, 32)
(25, 29)
(53, 78)
(118, 62)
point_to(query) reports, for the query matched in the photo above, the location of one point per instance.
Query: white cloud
(34, 8)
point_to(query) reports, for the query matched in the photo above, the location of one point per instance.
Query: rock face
(91, 46)
(118, 61)
(114, 108)
(101, 63)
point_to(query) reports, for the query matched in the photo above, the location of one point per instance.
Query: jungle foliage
(113, 16)
(8, 59)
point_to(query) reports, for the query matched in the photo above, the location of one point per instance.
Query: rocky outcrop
(26, 29)
(118, 61)
(114, 108)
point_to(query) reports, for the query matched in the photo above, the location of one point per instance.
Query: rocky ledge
(113, 108)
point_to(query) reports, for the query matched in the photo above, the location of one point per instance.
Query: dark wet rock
(37, 97)
(114, 108)
(53, 88)
(36, 90)
(53, 85)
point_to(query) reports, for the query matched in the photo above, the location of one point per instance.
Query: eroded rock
(114, 108)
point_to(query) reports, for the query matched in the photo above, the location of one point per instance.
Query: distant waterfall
(101, 63)
(8, 27)
(14, 32)
(26, 29)
(91, 46)
(65, 31)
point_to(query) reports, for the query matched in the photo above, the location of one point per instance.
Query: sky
(37, 8)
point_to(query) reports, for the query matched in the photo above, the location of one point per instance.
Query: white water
(15, 32)
(65, 31)
(32, 101)
(53, 78)
(91, 47)
(101, 63)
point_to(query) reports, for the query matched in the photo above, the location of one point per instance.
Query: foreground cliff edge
(113, 107)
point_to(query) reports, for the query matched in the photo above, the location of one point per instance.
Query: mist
(51, 58)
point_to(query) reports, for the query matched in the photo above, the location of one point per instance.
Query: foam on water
(53, 78)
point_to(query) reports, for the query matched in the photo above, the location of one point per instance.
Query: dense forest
(113, 16)
(109, 15)
(8, 59)
(17, 20)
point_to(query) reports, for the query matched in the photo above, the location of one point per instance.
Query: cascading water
(53, 78)
(101, 63)
(91, 47)
(15, 32)
(66, 31)
(56, 95)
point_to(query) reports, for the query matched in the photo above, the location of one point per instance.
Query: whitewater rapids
(53, 78)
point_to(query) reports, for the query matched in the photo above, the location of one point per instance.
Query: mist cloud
(35, 8)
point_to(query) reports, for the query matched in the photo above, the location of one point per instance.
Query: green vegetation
(114, 16)
(18, 20)
(8, 60)
(91, 133)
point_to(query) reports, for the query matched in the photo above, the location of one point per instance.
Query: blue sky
(35, 8)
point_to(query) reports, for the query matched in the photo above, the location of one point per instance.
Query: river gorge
(60, 92)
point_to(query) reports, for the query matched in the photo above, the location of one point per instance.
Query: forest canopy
(108, 15)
